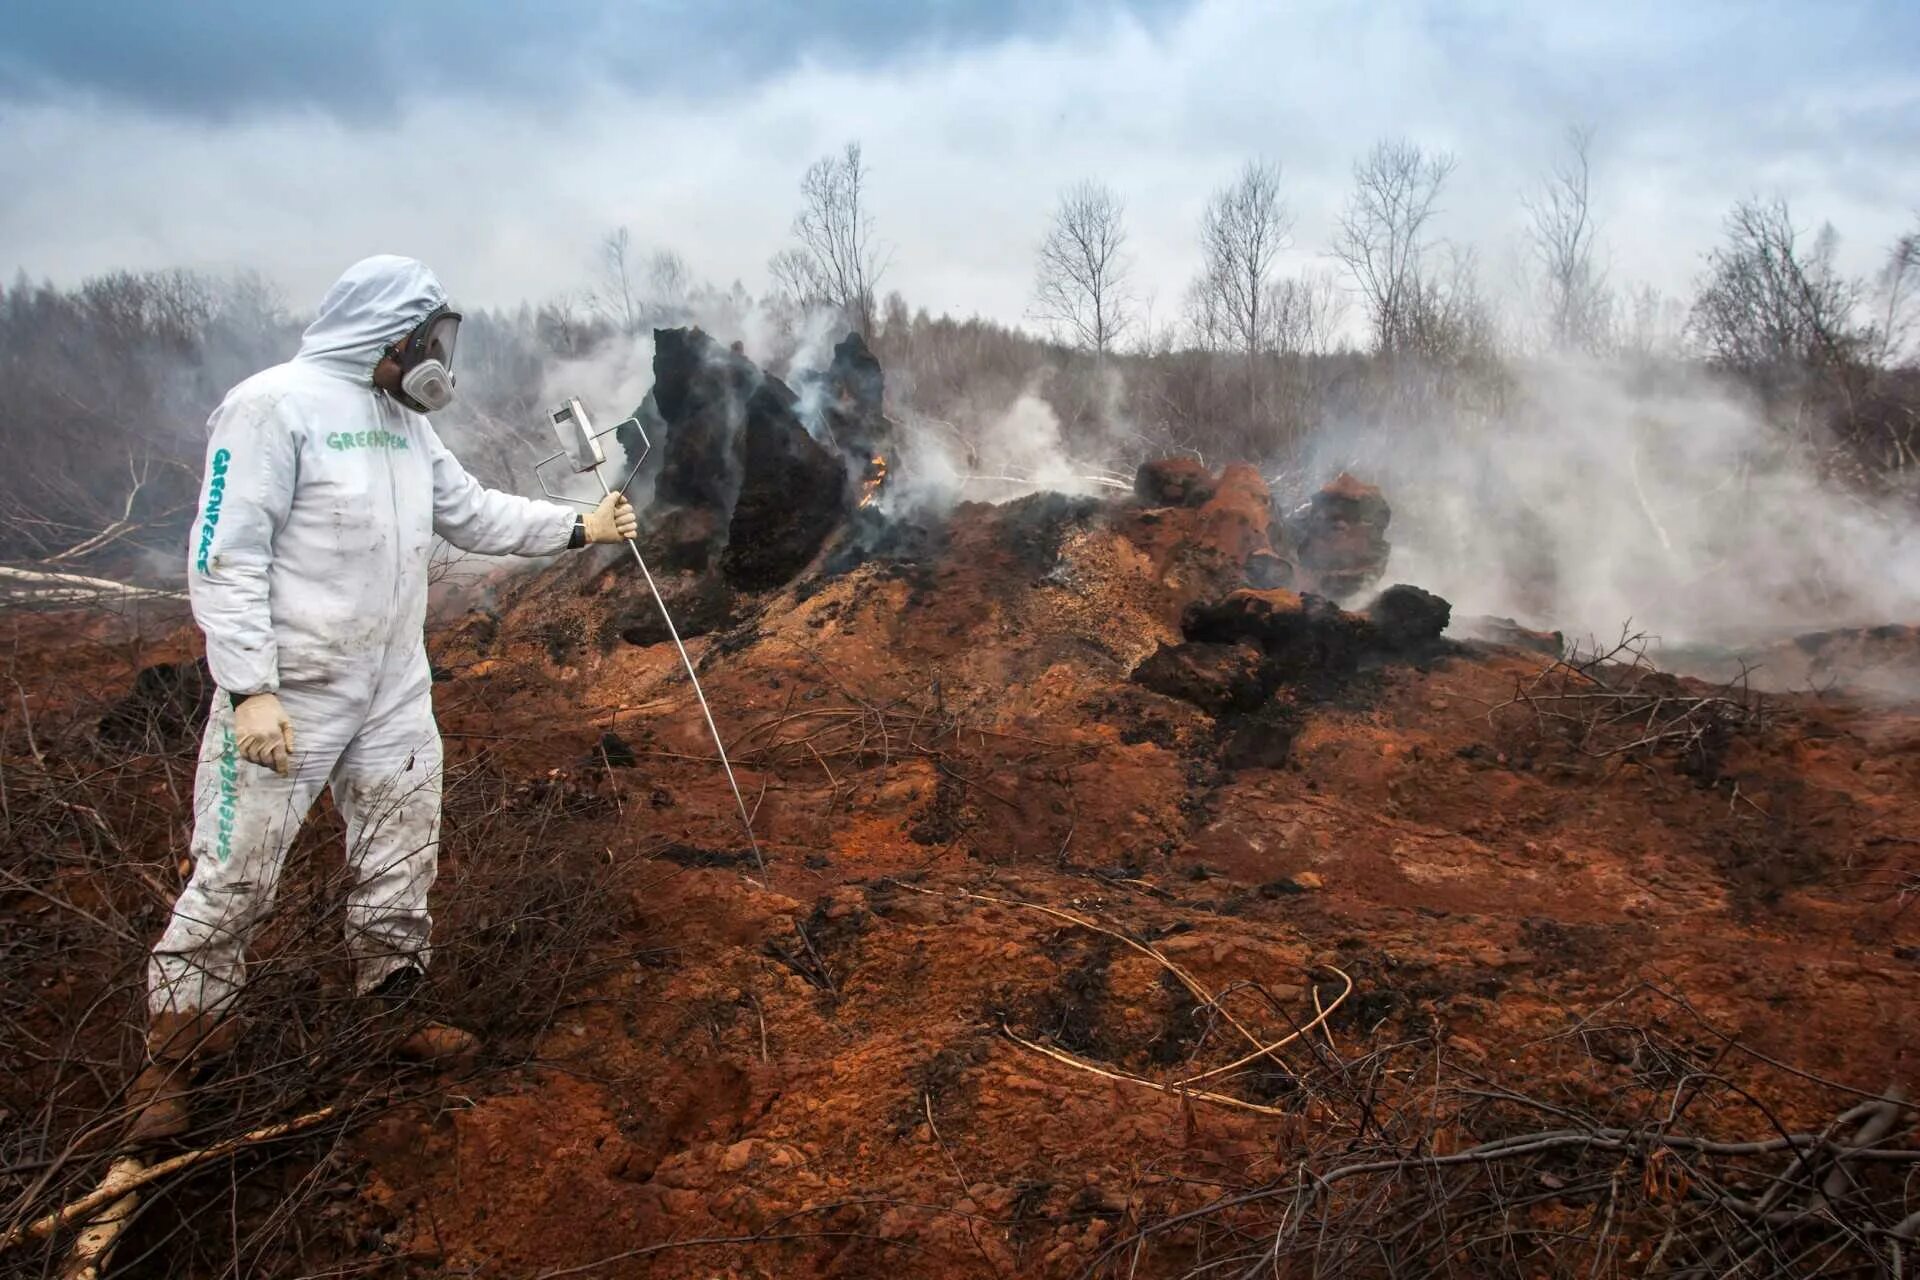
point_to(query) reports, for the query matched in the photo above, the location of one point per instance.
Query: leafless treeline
(106, 386)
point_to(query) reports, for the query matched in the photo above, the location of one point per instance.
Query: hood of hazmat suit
(322, 495)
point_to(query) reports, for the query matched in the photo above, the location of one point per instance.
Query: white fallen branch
(121, 1181)
(93, 1247)
(1104, 481)
(40, 586)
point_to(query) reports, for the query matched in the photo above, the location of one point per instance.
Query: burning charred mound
(1173, 482)
(1334, 546)
(1341, 538)
(1256, 655)
(846, 399)
(740, 474)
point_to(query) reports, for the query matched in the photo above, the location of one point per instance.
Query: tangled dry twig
(1612, 703)
(95, 835)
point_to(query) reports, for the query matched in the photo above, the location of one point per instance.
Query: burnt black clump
(735, 445)
(1407, 619)
(166, 707)
(1034, 527)
(699, 608)
(895, 543)
(1257, 659)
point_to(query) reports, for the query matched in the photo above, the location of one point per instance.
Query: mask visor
(436, 338)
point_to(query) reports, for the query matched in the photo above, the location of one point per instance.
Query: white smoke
(611, 381)
(819, 329)
(1597, 498)
(992, 457)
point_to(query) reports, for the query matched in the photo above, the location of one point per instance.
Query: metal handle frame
(646, 447)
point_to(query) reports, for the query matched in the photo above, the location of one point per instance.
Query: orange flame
(876, 476)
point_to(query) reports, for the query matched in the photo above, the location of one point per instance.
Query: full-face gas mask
(425, 357)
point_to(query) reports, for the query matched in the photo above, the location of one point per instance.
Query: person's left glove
(613, 520)
(263, 732)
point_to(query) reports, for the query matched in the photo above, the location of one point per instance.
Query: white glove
(612, 521)
(263, 732)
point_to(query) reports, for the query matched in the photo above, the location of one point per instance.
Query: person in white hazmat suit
(307, 571)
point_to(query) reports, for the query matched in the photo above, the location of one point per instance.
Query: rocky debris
(735, 446)
(1407, 618)
(166, 706)
(1341, 537)
(1173, 482)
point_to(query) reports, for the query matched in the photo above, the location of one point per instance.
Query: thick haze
(499, 141)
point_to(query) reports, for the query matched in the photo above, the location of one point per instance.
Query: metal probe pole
(746, 819)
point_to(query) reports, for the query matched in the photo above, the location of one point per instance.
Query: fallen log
(38, 586)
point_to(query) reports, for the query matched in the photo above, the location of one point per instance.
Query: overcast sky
(500, 140)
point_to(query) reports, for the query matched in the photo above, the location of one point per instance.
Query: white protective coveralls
(307, 571)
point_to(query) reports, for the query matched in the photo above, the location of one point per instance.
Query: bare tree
(1560, 231)
(1382, 236)
(794, 278)
(836, 259)
(1897, 285)
(616, 291)
(1448, 318)
(1246, 224)
(1080, 285)
(1206, 323)
(1774, 307)
(1306, 312)
(669, 286)
(1654, 324)
(565, 325)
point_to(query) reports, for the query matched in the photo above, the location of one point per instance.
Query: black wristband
(237, 698)
(578, 538)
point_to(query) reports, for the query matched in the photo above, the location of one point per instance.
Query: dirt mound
(1173, 482)
(1076, 705)
(1105, 895)
(1881, 664)
(1341, 537)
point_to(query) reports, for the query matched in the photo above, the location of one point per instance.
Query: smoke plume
(1602, 495)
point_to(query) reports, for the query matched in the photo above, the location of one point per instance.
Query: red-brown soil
(825, 1054)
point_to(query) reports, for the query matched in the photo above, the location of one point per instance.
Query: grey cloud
(970, 135)
(361, 58)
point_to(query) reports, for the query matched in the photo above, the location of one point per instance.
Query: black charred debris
(1254, 658)
(755, 476)
(165, 708)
